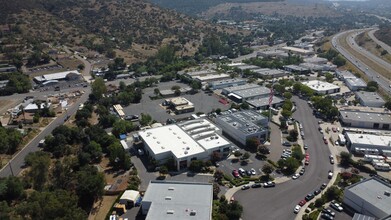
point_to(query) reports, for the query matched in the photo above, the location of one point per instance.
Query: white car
(253, 172)
(296, 209)
(336, 206)
(295, 176)
(330, 174)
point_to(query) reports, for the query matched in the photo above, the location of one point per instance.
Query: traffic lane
(18, 160)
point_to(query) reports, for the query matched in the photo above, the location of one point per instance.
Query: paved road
(384, 83)
(377, 41)
(278, 202)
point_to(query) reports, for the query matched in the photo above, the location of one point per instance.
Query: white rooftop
(55, 76)
(170, 138)
(369, 139)
(130, 195)
(179, 200)
(212, 77)
(320, 85)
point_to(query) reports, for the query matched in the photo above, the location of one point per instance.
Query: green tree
(345, 159)
(372, 86)
(329, 77)
(196, 166)
(39, 171)
(156, 91)
(145, 120)
(339, 61)
(287, 95)
(11, 188)
(163, 170)
(122, 127)
(286, 113)
(90, 184)
(81, 66)
(246, 155)
(333, 193)
(98, 88)
(216, 191)
(384, 52)
(5, 211)
(293, 134)
(267, 169)
(252, 144)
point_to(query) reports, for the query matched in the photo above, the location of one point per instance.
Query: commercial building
(370, 99)
(370, 197)
(186, 141)
(297, 69)
(221, 84)
(365, 119)
(229, 90)
(266, 73)
(263, 103)
(211, 77)
(177, 200)
(192, 74)
(316, 60)
(180, 105)
(344, 75)
(243, 125)
(272, 54)
(298, 51)
(319, 67)
(355, 84)
(67, 75)
(321, 87)
(368, 143)
(244, 67)
(249, 94)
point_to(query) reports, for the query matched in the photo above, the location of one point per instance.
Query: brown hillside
(384, 34)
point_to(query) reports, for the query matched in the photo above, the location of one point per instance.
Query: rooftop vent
(234, 124)
(387, 193)
(193, 212)
(187, 148)
(168, 198)
(186, 152)
(171, 212)
(171, 188)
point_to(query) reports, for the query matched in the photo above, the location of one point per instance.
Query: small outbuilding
(129, 198)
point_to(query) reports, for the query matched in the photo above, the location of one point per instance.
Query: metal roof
(264, 101)
(369, 97)
(373, 117)
(253, 92)
(246, 122)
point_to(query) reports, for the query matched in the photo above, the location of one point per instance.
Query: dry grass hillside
(274, 8)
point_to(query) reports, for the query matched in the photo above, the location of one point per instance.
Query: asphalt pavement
(278, 202)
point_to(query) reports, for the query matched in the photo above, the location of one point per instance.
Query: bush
(319, 202)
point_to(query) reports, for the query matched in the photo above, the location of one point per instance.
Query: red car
(307, 161)
(307, 155)
(235, 173)
(302, 202)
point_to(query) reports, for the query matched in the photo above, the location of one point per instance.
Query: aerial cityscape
(195, 110)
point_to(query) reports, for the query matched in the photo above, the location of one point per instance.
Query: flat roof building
(298, 51)
(247, 67)
(368, 143)
(243, 125)
(343, 75)
(248, 94)
(192, 74)
(297, 69)
(180, 105)
(272, 54)
(212, 77)
(263, 103)
(321, 87)
(226, 83)
(266, 73)
(315, 60)
(177, 200)
(319, 67)
(370, 99)
(186, 141)
(229, 90)
(355, 84)
(67, 75)
(369, 197)
(365, 119)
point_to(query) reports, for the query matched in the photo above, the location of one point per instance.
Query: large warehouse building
(190, 140)
(321, 87)
(177, 200)
(370, 99)
(368, 143)
(67, 75)
(369, 197)
(365, 119)
(221, 84)
(243, 125)
(249, 94)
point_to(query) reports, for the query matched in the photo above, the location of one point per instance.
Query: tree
(339, 61)
(287, 95)
(384, 52)
(286, 113)
(5, 211)
(333, 193)
(263, 149)
(163, 170)
(196, 166)
(329, 77)
(346, 159)
(267, 169)
(156, 91)
(145, 120)
(215, 156)
(39, 171)
(293, 134)
(388, 105)
(216, 191)
(372, 86)
(122, 127)
(11, 188)
(245, 156)
(90, 185)
(252, 144)
(218, 175)
(98, 88)
(81, 66)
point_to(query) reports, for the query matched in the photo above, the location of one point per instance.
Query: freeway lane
(384, 83)
(278, 202)
(18, 160)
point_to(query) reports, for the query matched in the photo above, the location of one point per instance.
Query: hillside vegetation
(384, 34)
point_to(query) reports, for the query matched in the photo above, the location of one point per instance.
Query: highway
(381, 43)
(372, 74)
(278, 202)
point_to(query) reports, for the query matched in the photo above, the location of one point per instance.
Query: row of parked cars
(308, 198)
(328, 214)
(242, 172)
(259, 185)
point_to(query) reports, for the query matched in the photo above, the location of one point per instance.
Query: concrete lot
(202, 102)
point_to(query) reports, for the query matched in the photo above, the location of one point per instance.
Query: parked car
(242, 172)
(256, 185)
(336, 206)
(328, 211)
(248, 172)
(235, 173)
(244, 187)
(309, 196)
(287, 144)
(323, 186)
(326, 216)
(307, 162)
(305, 147)
(295, 176)
(325, 141)
(140, 152)
(296, 209)
(330, 174)
(332, 161)
(253, 172)
(302, 202)
(302, 171)
(269, 184)
(317, 192)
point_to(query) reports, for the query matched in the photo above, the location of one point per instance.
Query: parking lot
(202, 103)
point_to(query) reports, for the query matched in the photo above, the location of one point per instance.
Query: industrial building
(179, 105)
(368, 143)
(263, 103)
(211, 77)
(355, 84)
(266, 73)
(243, 125)
(272, 54)
(67, 75)
(344, 75)
(177, 200)
(186, 141)
(316, 60)
(221, 84)
(321, 87)
(298, 51)
(370, 197)
(370, 99)
(249, 94)
(297, 69)
(319, 67)
(365, 119)
(229, 90)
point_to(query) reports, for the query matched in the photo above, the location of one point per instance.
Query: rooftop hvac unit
(170, 212)
(186, 152)
(387, 193)
(193, 213)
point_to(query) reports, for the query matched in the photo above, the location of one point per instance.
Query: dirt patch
(7, 104)
(102, 207)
